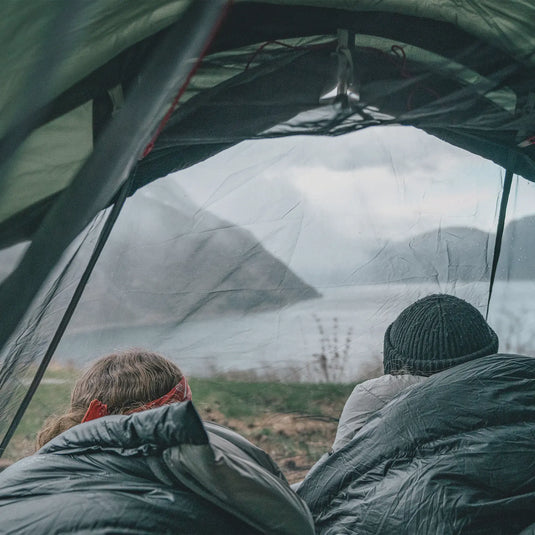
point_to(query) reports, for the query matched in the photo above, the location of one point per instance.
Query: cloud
(386, 201)
(405, 148)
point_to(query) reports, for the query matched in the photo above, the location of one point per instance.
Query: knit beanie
(436, 333)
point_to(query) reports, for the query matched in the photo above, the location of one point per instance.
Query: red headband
(180, 392)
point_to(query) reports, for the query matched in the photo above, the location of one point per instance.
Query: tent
(102, 98)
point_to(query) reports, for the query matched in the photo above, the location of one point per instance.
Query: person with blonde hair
(121, 383)
(131, 455)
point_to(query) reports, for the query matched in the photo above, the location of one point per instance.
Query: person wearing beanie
(431, 335)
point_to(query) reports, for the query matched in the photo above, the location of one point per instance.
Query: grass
(294, 422)
(52, 397)
(245, 399)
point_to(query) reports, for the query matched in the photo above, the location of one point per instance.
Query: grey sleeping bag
(455, 454)
(158, 471)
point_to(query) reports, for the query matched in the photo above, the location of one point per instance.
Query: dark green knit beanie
(436, 333)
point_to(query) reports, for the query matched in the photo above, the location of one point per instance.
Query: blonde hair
(123, 381)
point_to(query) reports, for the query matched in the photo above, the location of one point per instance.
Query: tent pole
(508, 180)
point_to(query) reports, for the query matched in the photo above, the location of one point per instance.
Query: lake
(346, 325)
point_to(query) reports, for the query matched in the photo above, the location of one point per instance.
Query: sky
(398, 174)
(318, 203)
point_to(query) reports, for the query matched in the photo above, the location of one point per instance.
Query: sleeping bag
(158, 471)
(455, 454)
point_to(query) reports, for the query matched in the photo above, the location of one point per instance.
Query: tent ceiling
(247, 89)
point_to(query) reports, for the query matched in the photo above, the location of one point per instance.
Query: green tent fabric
(37, 70)
(105, 32)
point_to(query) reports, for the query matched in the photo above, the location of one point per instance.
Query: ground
(294, 422)
(294, 441)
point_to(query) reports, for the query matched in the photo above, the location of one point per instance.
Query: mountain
(453, 254)
(518, 252)
(168, 259)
